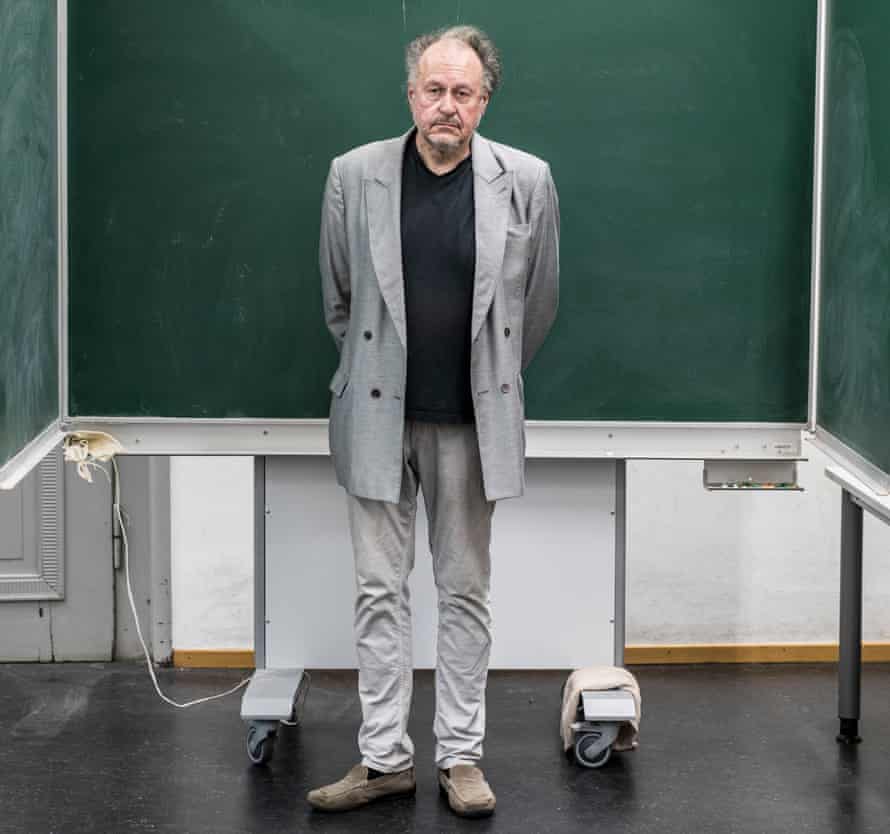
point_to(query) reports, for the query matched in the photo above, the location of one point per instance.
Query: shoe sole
(484, 812)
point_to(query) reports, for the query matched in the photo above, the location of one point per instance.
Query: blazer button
(505, 388)
(507, 332)
(368, 335)
(375, 393)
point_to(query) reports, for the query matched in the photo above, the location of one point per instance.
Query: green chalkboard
(679, 135)
(854, 369)
(29, 386)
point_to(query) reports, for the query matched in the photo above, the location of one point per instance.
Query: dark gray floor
(90, 747)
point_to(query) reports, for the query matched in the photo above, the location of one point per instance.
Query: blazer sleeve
(333, 258)
(542, 286)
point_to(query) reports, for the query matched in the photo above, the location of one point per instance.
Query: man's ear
(482, 111)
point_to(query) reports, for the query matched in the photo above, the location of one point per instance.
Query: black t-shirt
(439, 263)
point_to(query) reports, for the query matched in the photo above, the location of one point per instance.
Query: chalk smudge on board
(28, 235)
(857, 278)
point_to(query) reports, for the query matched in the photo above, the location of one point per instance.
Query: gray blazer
(514, 305)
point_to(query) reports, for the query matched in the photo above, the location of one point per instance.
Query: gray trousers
(444, 461)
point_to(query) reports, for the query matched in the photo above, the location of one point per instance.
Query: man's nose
(446, 104)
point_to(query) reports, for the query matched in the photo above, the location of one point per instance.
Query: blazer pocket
(518, 243)
(517, 252)
(339, 381)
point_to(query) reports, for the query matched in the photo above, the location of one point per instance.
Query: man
(439, 264)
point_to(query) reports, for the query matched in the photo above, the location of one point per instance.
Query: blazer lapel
(383, 198)
(491, 195)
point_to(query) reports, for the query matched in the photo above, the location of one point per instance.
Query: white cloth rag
(85, 448)
(599, 678)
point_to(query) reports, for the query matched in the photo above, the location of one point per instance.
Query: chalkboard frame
(48, 438)
(633, 439)
(552, 438)
(860, 467)
(840, 452)
(640, 436)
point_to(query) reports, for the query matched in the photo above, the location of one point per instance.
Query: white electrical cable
(126, 555)
(80, 449)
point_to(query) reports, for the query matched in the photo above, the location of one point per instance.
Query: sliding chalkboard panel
(854, 369)
(29, 399)
(680, 139)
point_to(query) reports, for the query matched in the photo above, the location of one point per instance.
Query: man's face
(446, 97)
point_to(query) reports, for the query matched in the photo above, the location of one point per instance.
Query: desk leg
(259, 560)
(273, 695)
(850, 659)
(620, 558)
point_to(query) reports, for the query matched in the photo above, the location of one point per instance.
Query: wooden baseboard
(214, 659)
(749, 653)
(633, 655)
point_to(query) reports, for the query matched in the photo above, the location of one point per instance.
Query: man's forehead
(450, 56)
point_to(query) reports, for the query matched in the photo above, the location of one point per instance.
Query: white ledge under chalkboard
(544, 438)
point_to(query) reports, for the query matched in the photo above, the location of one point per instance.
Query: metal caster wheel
(261, 742)
(589, 751)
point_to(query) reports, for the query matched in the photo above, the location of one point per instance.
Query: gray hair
(475, 38)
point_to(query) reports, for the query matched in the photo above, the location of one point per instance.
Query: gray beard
(444, 149)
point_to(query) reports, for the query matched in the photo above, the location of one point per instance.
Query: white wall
(555, 549)
(756, 567)
(701, 567)
(212, 552)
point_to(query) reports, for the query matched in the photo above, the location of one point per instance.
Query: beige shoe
(355, 789)
(469, 795)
